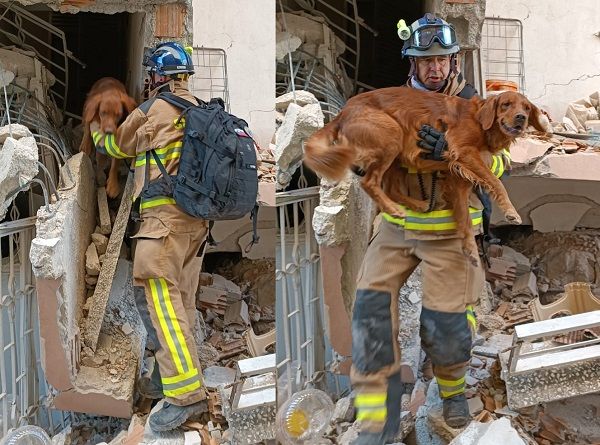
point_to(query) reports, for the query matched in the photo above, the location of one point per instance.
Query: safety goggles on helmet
(425, 36)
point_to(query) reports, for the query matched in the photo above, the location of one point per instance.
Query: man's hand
(433, 141)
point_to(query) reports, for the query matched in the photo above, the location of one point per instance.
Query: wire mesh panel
(210, 77)
(502, 50)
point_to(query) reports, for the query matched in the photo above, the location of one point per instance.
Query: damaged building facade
(546, 268)
(74, 340)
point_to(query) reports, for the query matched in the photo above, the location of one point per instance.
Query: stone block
(92, 262)
(18, 166)
(101, 243)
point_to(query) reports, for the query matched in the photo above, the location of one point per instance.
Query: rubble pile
(529, 272)
(18, 162)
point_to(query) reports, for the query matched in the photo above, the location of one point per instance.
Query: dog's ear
(91, 109)
(535, 118)
(128, 103)
(487, 113)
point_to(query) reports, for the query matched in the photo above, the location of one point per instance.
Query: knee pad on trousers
(445, 337)
(372, 338)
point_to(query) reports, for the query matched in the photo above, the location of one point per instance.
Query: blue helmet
(167, 59)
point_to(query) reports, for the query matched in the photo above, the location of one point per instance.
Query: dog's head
(108, 108)
(512, 112)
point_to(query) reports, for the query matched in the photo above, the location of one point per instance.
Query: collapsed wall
(100, 383)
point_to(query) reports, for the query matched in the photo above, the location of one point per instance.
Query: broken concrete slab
(498, 431)
(15, 131)
(237, 315)
(557, 179)
(18, 166)
(97, 303)
(62, 237)
(525, 285)
(299, 97)
(544, 218)
(298, 125)
(218, 375)
(525, 151)
(103, 213)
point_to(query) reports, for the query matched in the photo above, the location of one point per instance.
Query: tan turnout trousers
(167, 266)
(450, 285)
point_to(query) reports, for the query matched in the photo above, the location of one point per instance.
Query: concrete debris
(498, 431)
(237, 315)
(299, 124)
(344, 410)
(218, 375)
(101, 243)
(92, 263)
(298, 97)
(18, 164)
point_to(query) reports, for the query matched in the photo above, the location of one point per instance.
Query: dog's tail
(326, 158)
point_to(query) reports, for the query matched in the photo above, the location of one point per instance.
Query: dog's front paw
(513, 217)
(395, 212)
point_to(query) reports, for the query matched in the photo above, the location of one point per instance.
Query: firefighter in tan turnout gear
(451, 284)
(168, 241)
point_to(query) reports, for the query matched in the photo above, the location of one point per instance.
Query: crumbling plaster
(101, 6)
(560, 49)
(467, 18)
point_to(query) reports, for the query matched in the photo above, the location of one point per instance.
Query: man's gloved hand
(433, 141)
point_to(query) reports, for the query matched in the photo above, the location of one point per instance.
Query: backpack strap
(179, 102)
(255, 237)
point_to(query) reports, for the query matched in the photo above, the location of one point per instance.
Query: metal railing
(23, 389)
(300, 344)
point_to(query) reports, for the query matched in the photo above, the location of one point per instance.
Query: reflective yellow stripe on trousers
(449, 388)
(435, 220)
(371, 407)
(156, 201)
(471, 318)
(187, 378)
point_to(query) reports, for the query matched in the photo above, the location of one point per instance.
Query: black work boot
(171, 416)
(456, 411)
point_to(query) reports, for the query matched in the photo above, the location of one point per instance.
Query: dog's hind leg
(371, 183)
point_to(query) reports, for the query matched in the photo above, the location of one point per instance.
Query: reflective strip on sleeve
(171, 151)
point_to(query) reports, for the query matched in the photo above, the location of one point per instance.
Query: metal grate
(502, 50)
(210, 77)
(22, 28)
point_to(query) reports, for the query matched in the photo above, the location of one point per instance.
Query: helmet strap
(413, 66)
(453, 64)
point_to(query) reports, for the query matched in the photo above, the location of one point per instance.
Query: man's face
(433, 71)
